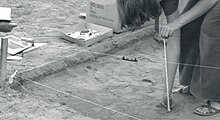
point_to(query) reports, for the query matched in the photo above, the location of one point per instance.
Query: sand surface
(106, 88)
(109, 88)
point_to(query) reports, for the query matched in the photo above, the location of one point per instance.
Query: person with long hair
(197, 50)
(134, 13)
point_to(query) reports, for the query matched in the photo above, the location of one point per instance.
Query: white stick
(166, 75)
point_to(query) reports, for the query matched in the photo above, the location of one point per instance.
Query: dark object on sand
(131, 60)
(147, 80)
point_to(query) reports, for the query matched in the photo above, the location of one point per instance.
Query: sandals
(206, 110)
(183, 90)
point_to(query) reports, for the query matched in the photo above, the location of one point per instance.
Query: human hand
(167, 30)
(6, 26)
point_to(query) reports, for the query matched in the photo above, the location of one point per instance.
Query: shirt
(169, 6)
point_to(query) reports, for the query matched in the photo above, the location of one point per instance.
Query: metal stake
(166, 75)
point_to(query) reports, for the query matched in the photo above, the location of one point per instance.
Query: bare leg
(173, 52)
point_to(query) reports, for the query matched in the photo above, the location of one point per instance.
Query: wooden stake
(166, 75)
(3, 64)
(157, 24)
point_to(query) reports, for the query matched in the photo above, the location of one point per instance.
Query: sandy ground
(109, 88)
(106, 88)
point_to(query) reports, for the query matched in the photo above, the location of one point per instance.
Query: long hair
(134, 13)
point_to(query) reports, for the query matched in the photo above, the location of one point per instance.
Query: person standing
(204, 80)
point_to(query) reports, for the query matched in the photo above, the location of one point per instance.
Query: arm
(198, 10)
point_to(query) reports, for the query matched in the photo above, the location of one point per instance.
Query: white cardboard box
(106, 32)
(5, 13)
(104, 13)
